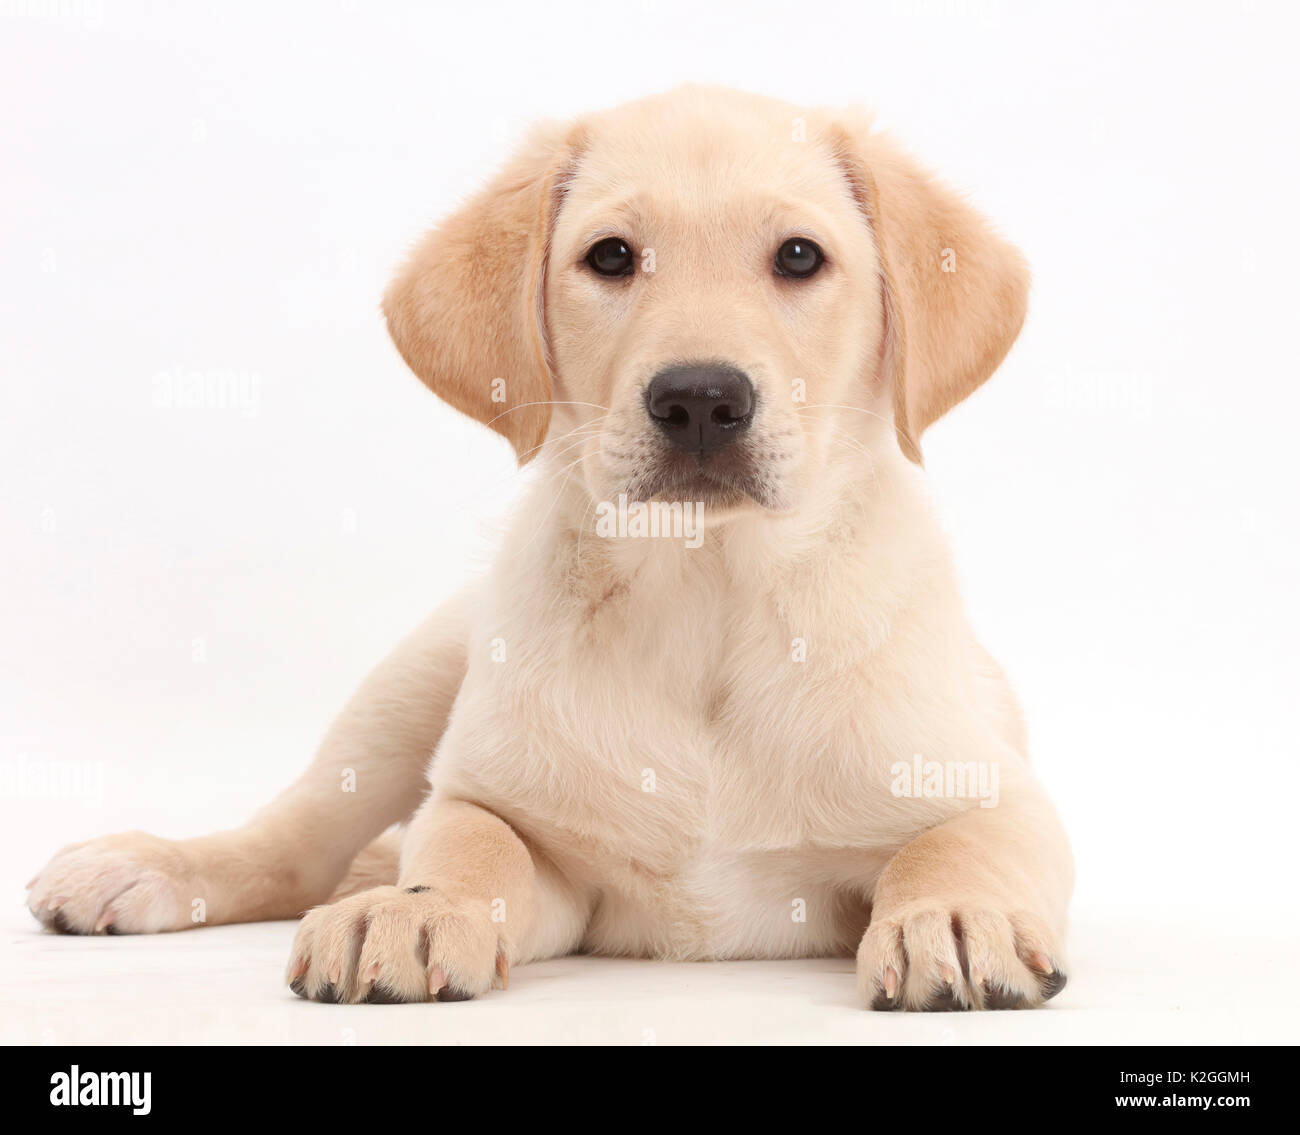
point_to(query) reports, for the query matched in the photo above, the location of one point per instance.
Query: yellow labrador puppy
(718, 697)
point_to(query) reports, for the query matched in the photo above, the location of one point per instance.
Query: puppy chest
(650, 754)
(723, 905)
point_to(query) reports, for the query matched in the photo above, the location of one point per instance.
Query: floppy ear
(466, 308)
(955, 291)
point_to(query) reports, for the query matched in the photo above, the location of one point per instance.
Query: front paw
(131, 883)
(394, 945)
(951, 956)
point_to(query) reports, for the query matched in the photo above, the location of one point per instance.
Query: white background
(190, 593)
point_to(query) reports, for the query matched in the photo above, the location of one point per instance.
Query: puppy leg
(971, 914)
(375, 866)
(471, 900)
(369, 773)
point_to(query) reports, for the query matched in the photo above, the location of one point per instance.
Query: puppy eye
(798, 257)
(611, 257)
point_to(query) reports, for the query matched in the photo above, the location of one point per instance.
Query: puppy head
(709, 296)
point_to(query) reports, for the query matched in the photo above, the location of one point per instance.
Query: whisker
(559, 492)
(583, 432)
(525, 405)
(492, 487)
(840, 406)
(568, 449)
(556, 440)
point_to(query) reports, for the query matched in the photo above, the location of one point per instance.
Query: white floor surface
(1157, 983)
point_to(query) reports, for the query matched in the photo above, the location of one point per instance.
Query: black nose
(701, 407)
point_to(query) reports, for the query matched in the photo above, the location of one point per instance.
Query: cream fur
(642, 747)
